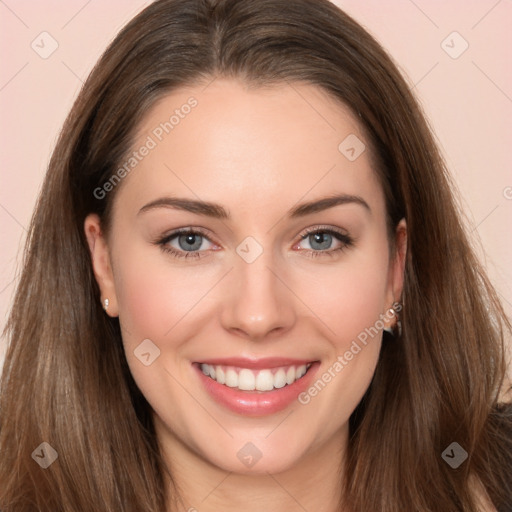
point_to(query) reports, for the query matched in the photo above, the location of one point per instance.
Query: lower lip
(256, 403)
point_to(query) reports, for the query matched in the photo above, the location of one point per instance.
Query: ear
(397, 264)
(102, 267)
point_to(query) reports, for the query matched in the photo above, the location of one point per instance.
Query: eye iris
(189, 239)
(324, 239)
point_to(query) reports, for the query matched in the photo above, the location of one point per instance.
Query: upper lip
(256, 364)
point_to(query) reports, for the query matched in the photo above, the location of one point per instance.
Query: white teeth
(290, 375)
(231, 378)
(280, 379)
(221, 376)
(246, 380)
(250, 380)
(265, 381)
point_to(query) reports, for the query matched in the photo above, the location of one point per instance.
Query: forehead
(250, 147)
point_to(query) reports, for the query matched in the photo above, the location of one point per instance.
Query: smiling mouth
(245, 379)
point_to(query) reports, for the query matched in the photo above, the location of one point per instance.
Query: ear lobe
(101, 264)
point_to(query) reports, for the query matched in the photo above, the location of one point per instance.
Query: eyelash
(345, 240)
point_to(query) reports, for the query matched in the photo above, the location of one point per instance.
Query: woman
(247, 285)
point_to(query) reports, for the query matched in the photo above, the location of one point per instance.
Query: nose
(258, 301)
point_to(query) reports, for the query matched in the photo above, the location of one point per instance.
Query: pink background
(468, 101)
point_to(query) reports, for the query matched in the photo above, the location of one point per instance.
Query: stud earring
(395, 330)
(105, 304)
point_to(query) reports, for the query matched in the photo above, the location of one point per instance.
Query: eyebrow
(217, 211)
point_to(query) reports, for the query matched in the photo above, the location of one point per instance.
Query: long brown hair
(65, 380)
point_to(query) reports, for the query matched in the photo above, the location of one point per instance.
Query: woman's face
(273, 280)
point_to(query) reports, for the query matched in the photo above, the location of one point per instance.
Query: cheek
(350, 300)
(159, 302)
(349, 297)
(155, 296)
(351, 311)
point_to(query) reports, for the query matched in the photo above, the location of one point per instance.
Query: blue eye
(321, 239)
(189, 243)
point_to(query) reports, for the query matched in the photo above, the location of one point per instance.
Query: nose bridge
(258, 302)
(257, 281)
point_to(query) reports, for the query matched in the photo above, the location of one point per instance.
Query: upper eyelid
(185, 231)
(328, 229)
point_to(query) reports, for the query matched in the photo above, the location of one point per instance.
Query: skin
(258, 152)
